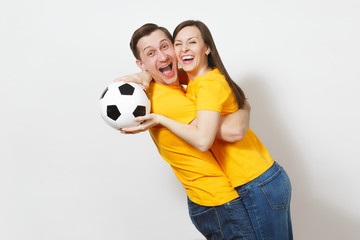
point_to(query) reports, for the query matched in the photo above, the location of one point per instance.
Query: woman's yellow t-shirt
(244, 160)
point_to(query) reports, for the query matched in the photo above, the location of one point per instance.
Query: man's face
(158, 58)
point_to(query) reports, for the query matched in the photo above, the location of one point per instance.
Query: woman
(262, 184)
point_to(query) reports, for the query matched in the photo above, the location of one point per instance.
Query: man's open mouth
(167, 69)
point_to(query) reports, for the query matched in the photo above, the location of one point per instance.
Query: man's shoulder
(157, 90)
(171, 102)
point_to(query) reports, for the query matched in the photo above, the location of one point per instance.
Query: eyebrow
(160, 43)
(186, 39)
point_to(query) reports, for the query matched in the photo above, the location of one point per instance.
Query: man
(203, 179)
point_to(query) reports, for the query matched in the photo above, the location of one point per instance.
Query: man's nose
(162, 56)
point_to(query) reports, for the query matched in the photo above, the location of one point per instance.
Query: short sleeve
(171, 102)
(211, 94)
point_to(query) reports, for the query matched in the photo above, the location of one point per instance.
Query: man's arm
(183, 77)
(143, 78)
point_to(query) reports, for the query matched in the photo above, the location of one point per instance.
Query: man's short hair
(143, 31)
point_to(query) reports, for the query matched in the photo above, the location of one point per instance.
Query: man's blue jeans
(227, 221)
(262, 212)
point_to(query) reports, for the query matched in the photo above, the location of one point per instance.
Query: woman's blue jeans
(262, 212)
(267, 201)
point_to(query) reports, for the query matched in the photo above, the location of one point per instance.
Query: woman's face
(191, 51)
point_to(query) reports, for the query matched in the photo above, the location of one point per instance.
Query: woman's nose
(184, 47)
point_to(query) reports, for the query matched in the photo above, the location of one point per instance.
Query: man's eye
(150, 53)
(165, 46)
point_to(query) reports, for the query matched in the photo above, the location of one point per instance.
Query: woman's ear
(208, 50)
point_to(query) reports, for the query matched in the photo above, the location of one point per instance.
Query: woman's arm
(201, 134)
(203, 129)
(234, 126)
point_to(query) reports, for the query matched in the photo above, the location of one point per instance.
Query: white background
(65, 174)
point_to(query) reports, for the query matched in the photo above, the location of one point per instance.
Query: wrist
(160, 119)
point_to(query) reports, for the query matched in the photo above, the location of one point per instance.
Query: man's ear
(140, 65)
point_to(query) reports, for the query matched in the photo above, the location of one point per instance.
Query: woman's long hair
(214, 59)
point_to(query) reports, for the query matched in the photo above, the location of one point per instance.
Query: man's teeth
(166, 68)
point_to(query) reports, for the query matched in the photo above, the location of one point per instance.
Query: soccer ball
(121, 103)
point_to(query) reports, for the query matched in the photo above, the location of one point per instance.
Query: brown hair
(214, 59)
(143, 31)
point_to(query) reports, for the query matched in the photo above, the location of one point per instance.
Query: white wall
(64, 174)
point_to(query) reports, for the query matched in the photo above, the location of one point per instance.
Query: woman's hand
(146, 122)
(143, 78)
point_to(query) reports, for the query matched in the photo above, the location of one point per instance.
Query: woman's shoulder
(214, 78)
(213, 75)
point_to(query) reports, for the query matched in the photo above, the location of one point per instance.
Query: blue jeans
(262, 212)
(224, 222)
(267, 201)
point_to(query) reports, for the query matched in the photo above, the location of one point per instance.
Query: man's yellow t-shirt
(203, 179)
(244, 160)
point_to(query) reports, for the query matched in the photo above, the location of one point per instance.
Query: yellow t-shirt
(244, 160)
(204, 181)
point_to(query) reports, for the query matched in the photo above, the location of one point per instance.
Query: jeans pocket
(277, 189)
(234, 201)
(205, 220)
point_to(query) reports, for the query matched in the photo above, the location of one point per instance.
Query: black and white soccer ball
(122, 102)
